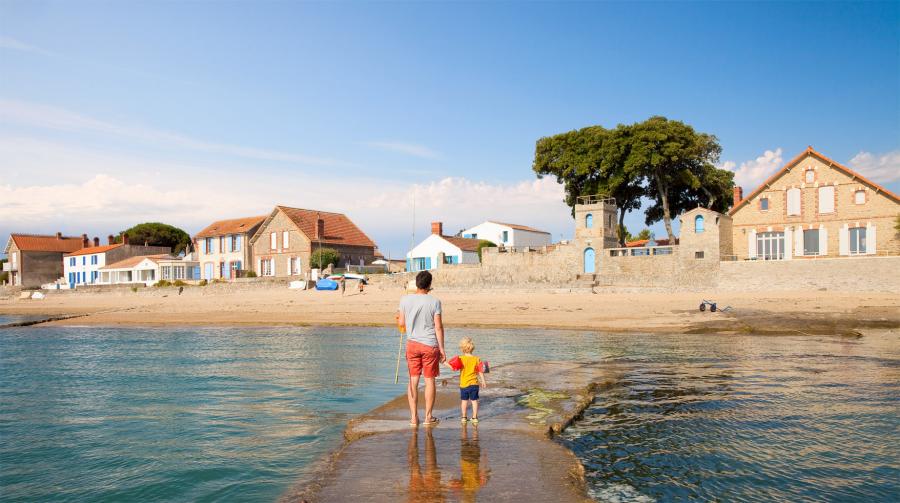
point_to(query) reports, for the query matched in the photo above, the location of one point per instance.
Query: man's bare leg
(430, 391)
(412, 395)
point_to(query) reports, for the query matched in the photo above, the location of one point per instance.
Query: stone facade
(832, 200)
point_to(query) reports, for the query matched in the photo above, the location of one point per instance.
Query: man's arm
(439, 332)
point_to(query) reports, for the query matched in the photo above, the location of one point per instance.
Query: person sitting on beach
(470, 374)
(420, 313)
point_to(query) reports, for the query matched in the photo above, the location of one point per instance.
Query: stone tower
(596, 220)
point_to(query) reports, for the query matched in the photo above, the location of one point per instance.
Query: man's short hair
(423, 280)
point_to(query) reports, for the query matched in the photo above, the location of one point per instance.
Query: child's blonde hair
(466, 345)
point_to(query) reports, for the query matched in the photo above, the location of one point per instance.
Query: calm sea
(219, 414)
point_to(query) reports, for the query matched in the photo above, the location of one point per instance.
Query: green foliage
(202, 282)
(178, 282)
(624, 235)
(484, 243)
(897, 224)
(322, 257)
(134, 289)
(659, 159)
(250, 274)
(157, 234)
(163, 283)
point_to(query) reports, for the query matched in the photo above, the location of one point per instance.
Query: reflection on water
(473, 466)
(425, 480)
(424, 484)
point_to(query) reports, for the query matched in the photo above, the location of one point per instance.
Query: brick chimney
(96, 241)
(112, 239)
(437, 228)
(320, 228)
(124, 238)
(85, 242)
(59, 235)
(738, 195)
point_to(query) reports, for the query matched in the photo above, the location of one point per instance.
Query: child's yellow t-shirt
(468, 376)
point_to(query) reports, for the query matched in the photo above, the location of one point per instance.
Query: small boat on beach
(326, 284)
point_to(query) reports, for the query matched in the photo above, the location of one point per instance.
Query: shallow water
(237, 414)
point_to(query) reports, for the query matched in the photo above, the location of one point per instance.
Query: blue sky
(112, 114)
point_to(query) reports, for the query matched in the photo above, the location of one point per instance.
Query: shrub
(178, 282)
(322, 257)
(163, 283)
(219, 280)
(203, 282)
(134, 289)
(250, 274)
(484, 243)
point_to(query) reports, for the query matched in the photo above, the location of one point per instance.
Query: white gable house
(437, 249)
(510, 235)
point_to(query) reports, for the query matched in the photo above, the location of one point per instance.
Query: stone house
(223, 248)
(438, 249)
(34, 260)
(83, 267)
(814, 207)
(503, 234)
(284, 242)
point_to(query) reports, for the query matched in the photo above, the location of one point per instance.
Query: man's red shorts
(422, 359)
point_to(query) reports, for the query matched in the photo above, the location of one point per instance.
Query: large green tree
(157, 234)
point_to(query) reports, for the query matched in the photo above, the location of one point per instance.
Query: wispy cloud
(881, 168)
(412, 149)
(49, 117)
(750, 174)
(17, 45)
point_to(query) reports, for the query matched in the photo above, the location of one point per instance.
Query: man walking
(420, 313)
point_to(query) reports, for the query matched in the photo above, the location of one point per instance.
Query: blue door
(589, 267)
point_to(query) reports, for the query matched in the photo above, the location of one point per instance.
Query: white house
(438, 249)
(503, 234)
(82, 267)
(149, 269)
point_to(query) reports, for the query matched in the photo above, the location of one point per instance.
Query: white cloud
(883, 168)
(18, 45)
(750, 174)
(405, 148)
(48, 117)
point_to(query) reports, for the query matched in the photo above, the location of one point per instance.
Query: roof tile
(339, 229)
(33, 242)
(231, 226)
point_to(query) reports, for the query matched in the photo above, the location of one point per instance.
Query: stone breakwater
(509, 455)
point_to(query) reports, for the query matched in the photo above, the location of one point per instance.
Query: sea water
(241, 414)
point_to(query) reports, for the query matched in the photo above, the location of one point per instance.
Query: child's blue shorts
(469, 392)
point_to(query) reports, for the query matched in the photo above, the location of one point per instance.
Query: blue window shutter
(83, 260)
(409, 264)
(428, 263)
(456, 259)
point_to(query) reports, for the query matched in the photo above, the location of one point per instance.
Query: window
(810, 176)
(166, 272)
(296, 266)
(698, 224)
(505, 237)
(475, 236)
(421, 263)
(285, 239)
(793, 202)
(273, 240)
(268, 266)
(15, 258)
(764, 204)
(811, 242)
(72, 261)
(859, 197)
(450, 259)
(235, 267)
(83, 260)
(698, 254)
(826, 199)
(179, 272)
(209, 245)
(235, 243)
(589, 221)
(857, 240)
(222, 247)
(770, 245)
(609, 221)
(223, 270)
(93, 259)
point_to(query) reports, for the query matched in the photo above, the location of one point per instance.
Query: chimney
(320, 228)
(112, 239)
(738, 195)
(124, 238)
(96, 241)
(85, 242)
(437, 228)
(59, 235)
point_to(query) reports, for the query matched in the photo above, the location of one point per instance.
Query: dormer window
(810, 176)
(764, 204)
(859, 197)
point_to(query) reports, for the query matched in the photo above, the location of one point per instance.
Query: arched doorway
(589, 263)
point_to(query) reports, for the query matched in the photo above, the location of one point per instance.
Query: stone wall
(858, 274)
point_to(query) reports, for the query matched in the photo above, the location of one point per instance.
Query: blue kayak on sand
(326, 284)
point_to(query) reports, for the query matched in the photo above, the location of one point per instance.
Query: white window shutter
(823, 240)
(259, 266)
(870, 239)
(844, 240)
(789, 241)
(751, 244)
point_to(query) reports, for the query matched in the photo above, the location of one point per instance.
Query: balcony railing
(10, 267)
(641, 251)
(596, 199)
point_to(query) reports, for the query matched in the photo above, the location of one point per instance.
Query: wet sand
(815, 312)
(508, 456)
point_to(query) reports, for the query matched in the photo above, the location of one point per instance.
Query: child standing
(471, 373)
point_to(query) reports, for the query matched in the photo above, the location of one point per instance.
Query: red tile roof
(133, 261)
(231, 226)
(796, 160)
(339, 230)
(32, 242)
(643, 242)
(465, 244)
(519, 227)
(94, 249)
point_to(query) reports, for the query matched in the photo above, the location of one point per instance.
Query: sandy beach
(819, 312)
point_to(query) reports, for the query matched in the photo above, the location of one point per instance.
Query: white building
(149, 269)
(82, 267)
(438, 249)
(510, 235)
